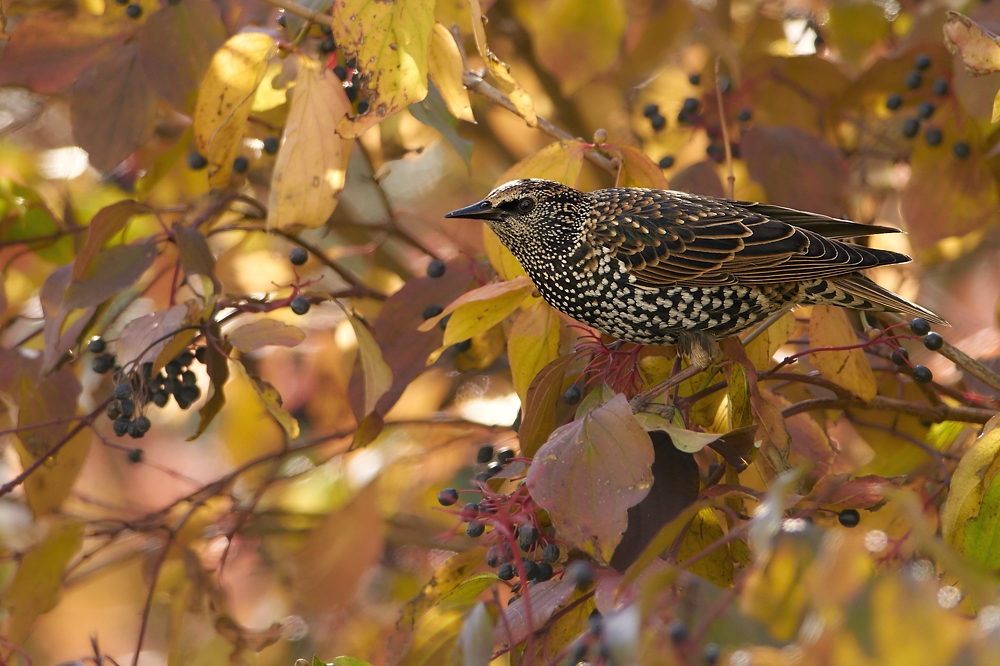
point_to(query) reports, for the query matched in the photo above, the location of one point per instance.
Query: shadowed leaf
(538, 419)
(107, 223)
(144, 337)
(533, 342)
(113, 269)
(445, 69)
(264, 332)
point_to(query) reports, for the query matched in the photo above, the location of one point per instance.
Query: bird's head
(532, 214)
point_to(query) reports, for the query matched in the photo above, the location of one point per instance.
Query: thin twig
(935, 414)
(725, 132)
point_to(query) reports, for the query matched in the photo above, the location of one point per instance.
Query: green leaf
(968, 485)
(340, 661)
(716, 566)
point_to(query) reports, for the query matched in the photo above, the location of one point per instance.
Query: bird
(656, 267)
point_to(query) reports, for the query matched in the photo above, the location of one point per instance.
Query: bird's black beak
(483, 210)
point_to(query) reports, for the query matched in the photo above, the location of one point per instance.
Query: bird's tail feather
(883, 299)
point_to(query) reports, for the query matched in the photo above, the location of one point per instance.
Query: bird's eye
(525, 205)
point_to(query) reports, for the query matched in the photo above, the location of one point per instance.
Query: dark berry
(914, 79)
(122, 391)
(485, 454)
(849, 517)
(651, 110)
(327, 45)
(920, 326)
(544, 572)
(961, 150)
(147, 370)
(711, 654)
(572, 395)
(910, 127)
(300, 305)
(658, 122)
(352, 63)
(550, 553)
(678, 631)
(716, 151)
(899, 356)
(173, 368)
(475, 529)
(666, 162)
(695, 79)
(595, 622)
(443, 324)
(97, 345)
(127, 407)
(271, 145)
(933, 341)
(690, 105)
(527, 535)
(135, 456)
(185, 358)
(201, 353)
(745, 115)
(133, 11)
(940, 87)
(134, 431)
(363, 107)
(326, 30)
(432, 311)
(241, 164)
(298, 256)
(933, 137)
(530, 570)
(283, 21)
(579, 654)
(142, 424)
(463, 346)
(470, 511)
(121, 425)
(685, 117)
(340, 73)
(189, 378)
(894, 101)
(352, 92)
(922, 375)
(492, 557)
(580, 573)
(197, 161)
(925, 110)
(122, 2)
(160, 398)
(504, 457)
(921, 62)
(190, 393)
(447, 497)
(506, 571)
(101, 364)
(436, 268)
(113, 411)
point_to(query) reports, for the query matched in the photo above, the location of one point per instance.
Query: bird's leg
(699, 348)
(641, 401)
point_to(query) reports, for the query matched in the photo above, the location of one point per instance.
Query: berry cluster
(197, 161)
(933, 136)
(932, 341)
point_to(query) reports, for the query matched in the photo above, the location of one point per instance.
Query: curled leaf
(445, 65)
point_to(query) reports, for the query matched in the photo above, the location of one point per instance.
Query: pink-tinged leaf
(58, 339)
(838, 492)
(176, 46)
(797, 169)
(143, 338)
(590, 472)
(113, 269)
(700, 178)
(196, 256)
(546, 598)
(113, 109)
(978, 47)
(265, 332)
(49, 50)
(108, 222)
(217, 364)
(539, 416)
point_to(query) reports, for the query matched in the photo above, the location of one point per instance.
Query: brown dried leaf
(217, 364)
(265, 332)
(196, 256)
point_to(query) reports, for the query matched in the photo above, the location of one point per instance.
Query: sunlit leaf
(445, 69)
(377, 373)
(446, 578)
(855, 28)
(340, 661)
(978, 47)
(638, 170)
(829, 327)
(225, 98)
(762, 349)
(685, 440)
(312, 160)
(909, 628)
(716, 566)
(144, 337)
(500, 71)
(590, 472)
(774, 593)
(271, 400)
(480, 309)
(533, 342)
(969, 484)
(263, 332)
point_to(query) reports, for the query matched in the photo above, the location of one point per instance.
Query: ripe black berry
(241, 164)
(443, 324)
(504, 457)
(910, 127)
(463, 346)
(101, 364)
(922, 375)
(920, 326)
(298, 256)
(666, 162)
(550, 553)
(300, 305)
(940, 87)
(121, 425)
(470, 511)
(745, 115)
(485, 454)
(657, 122)
(189, 378)
(893, 101)
(711, 654)
(122, 391)
(572, 395)
(544, 572)
(933, 137)
(914, 79)
(475, 529)
(580, 573)
(352, 92)
(352, 63)
(690, 105)
(271, 145)
(141, 424)
(432, 311)
(695, 79)
(530, 570)
(650, 110)
(135, 456)
(201, 353)
(340, 73)
(899, 356)
(113, 411)
(849, 517)
(160, 398)
(363, 107)
(933, 341)
(579, 654)
(97, 345)
(327, 45)
(506, 571)
(595, 622)
(436, 268)
(716, 151)
(133, 11)
(527, 535)
(127, 407)
(925, 110)
(197, 161)
(492, 557)
(447, 497)
(961, 150)
(283, 21)
(678, 631)
(326, 30)
(921, 62)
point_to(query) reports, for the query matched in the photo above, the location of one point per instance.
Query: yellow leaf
(312, 162)
(445, 64)
(775, 593)
(271, 399)
(500, 71)
(377, 374)
(828, 327)
(968, 485)
(471, 318)
(909, 628)
(638, 170)
(717, 566)
(225, 99)
(391, 41)
(533, 342)
(996, 108)
(762, 349)
(503, 262)
(267, 96)
(52, 483)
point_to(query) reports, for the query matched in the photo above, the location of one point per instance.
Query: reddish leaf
(836, 492)
(108, 222)
(114, 269)
(196, 256)
(218, 373)
(143, 338)
(539, 418)
(590, 472)
(48, 51)
(176, 46)
(699, 178)
(546, 598)
(57, 338)
(797, 169)
(113, 109)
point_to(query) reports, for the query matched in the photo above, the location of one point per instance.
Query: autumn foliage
(260, 402)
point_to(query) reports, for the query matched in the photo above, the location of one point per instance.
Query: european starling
(648, 266)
